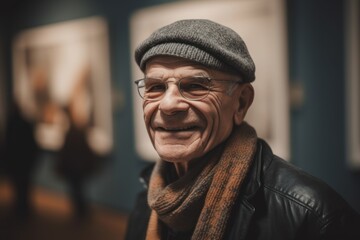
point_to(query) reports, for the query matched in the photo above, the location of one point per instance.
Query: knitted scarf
(200, 202)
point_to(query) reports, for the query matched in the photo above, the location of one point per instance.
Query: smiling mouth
(177, 129)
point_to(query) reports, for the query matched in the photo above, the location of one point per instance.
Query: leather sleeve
(344, 225)
(139, 218)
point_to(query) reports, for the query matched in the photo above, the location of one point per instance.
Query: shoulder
(293, 184)
(305, 199)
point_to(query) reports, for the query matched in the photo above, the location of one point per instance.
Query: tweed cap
(202, 41)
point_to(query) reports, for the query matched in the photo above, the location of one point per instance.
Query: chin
(175, 157)
(178, 152)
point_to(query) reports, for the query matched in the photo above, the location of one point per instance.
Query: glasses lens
(194, 88)
(150, 88)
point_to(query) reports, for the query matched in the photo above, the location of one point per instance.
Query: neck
(181, 168)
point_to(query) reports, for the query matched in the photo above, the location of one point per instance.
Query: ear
(245, 97)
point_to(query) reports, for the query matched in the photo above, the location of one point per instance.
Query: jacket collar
(262, 160)
(245, 209)
(145, 175)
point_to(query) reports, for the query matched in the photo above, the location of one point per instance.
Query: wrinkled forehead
(178, 62)
(171, 61)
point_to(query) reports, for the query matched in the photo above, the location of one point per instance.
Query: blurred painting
(261, 23)
(353, 83)
(62, 79)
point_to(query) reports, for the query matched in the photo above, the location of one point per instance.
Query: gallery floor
(52, 219)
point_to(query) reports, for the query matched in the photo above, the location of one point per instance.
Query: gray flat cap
(203, 41)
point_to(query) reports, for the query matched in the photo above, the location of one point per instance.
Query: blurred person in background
(20, 156)
(79, 158)
(215, 178)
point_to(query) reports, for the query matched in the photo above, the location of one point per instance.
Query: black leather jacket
(277, 201)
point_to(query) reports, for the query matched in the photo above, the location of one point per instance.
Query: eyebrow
(200, 73)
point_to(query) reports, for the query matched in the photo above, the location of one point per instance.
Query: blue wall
(316, 49)
(317, 61)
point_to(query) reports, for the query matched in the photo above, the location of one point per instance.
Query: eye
(155, 88)
(194, 84)
(154, 85)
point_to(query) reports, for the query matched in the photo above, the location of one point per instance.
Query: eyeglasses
(191, 88)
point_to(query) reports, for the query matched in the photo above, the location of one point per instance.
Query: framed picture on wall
(352, 47)
(62, 78)
(262, 25)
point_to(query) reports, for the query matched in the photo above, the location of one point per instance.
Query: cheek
(221, 115)
(215, 110)
(149, 109)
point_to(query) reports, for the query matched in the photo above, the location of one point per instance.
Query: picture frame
(63, 66)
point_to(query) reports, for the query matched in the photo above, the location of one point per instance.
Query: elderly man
(215, 178)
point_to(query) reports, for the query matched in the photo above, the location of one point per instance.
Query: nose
(173, 102)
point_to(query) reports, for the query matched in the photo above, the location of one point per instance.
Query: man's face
(182, 130)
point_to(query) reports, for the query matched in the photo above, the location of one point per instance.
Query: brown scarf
(202, 199)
